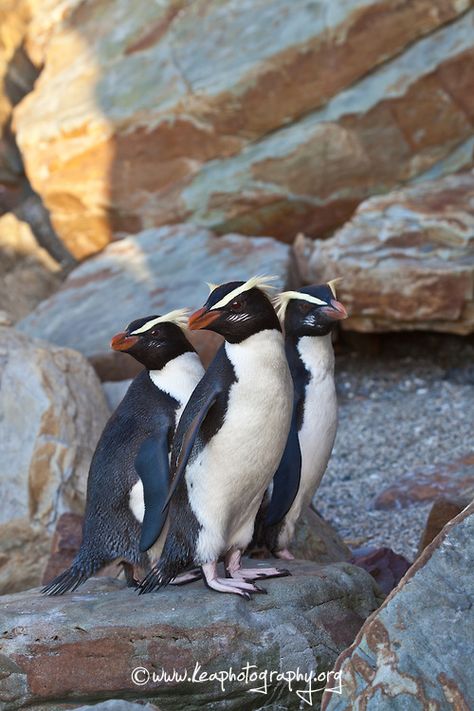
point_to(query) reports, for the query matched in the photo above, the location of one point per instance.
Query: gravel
(408, 405)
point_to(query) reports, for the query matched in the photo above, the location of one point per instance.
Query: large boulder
(16, 78)
(415, 653)
(28, 273)
(84, 646)
(262, 117)
(154, 272)
(52, 413)
(407, 259)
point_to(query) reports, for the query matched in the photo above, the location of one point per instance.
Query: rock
(168, 120)
(16, 79)
(429, 483)
(53, 411)
(415, 652)
(385, 566)
(28, 273)
(154, 272)
(317, 540)
(407, 259)
(84, 646)
(119, 705)
(442, 512)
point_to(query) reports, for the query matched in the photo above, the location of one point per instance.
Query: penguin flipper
(286, 481)
(152, 466)
(189, 439)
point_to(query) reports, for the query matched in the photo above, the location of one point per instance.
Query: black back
(144, 411)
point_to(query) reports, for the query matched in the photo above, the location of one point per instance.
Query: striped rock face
(53, 412)
(153, 273)
(417, 647)
(407, 259)
(255, 116)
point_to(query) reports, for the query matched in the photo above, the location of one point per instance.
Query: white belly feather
(177, 378)
(227, 480)
(319, 426)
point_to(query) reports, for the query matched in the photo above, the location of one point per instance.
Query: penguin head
(154, 340)
(237, 310)
(311, 311)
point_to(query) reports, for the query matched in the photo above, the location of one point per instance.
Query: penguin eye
(236, 305)
(304, 307)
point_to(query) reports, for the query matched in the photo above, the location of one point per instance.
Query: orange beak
(202, 319)
(336, 311)
(122, 342)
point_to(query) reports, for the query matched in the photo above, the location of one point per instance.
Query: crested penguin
(308, 315)
(133, 451)
(229, 441)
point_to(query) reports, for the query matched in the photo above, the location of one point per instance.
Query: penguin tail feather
(71, 578)
(154, 580)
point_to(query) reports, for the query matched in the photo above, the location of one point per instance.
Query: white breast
(227, 480)
(178, 378)
(319, 425)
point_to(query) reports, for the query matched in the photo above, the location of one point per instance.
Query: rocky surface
(415, 652)
(454, 478)
(28, 274)
(83, 647)
(154, 272)
(52, 413)
(442, 512)
(119, 705)
(408, 407)
(16, 79)
(315, 539)
(239, 116)
(407, 259)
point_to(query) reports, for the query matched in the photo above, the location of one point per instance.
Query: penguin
(309, 315)
(229, 442)
(133, 451)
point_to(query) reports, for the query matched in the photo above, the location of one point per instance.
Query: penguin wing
(286, 481)
(206, 401)
(152, 466)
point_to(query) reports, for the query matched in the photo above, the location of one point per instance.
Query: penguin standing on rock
(309, 315)
(229, 442)
(133, 452)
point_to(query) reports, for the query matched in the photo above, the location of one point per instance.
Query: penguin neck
(265, 346)
(316, 353)
(179, 376)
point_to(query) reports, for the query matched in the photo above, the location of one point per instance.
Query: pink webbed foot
(284, 554)
(225, 585)
(234, 570)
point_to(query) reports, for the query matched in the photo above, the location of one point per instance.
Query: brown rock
(82, 647)
(172, 120)
(385, 566)
(28, 274)
(16, 78)
(449, 479)
(442, 512)
(415, 652)
(407, 259)
(317, 540)
(154, 272)
(53, 411)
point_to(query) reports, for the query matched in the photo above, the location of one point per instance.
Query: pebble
(398, 411)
